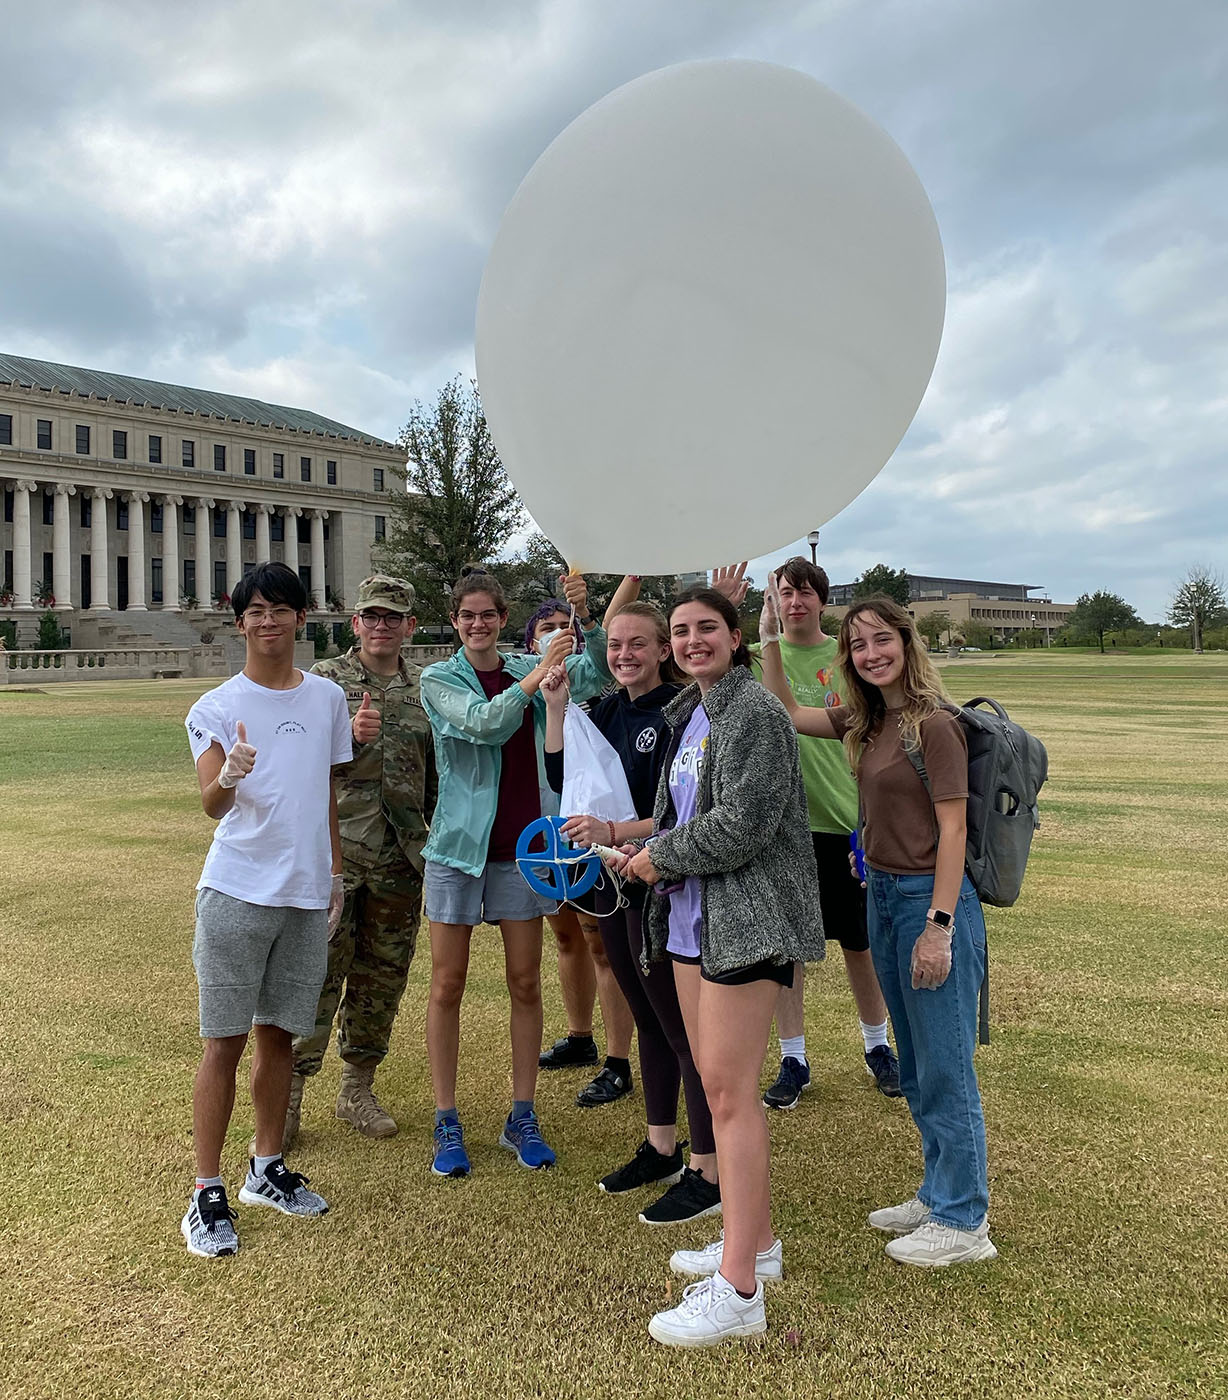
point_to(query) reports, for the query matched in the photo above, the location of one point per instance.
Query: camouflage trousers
(368, 965)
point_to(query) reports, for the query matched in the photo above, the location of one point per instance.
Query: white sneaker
(711, 1311)
(703, 1263)
(899, 1220)
(934, 1246)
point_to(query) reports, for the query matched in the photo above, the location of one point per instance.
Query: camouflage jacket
(391, 782)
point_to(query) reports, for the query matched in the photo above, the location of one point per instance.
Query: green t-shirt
(831, 791)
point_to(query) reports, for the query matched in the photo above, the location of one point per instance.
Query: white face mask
(543, 643)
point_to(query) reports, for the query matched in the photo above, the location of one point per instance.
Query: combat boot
(357, 1104)
(294, 1116)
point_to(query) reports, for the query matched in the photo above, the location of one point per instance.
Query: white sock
(259, 1163)
(873, 1035)
(793, 1047)
(203, 1183)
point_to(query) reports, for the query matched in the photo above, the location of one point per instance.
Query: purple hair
(550, 606)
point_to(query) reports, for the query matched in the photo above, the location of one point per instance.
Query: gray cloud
(297, 202)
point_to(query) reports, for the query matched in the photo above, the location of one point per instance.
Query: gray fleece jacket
(749, 841)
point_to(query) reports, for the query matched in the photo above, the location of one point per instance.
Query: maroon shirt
(519, 800)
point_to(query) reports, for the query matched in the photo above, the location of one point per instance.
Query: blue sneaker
(451, 1159)
(524, 1138)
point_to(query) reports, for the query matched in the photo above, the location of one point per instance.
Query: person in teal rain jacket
(489, 722)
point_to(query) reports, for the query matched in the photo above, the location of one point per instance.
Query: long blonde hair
(923, 689)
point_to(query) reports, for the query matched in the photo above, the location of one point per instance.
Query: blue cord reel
(562, 871)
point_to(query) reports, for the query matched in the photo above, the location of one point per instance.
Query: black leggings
(665, 1054)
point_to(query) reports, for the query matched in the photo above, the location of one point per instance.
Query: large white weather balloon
(709, 315)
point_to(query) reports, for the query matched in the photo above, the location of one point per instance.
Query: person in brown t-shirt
(927, 929)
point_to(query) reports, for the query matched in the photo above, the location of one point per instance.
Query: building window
(119, 446)
(249, 461)
(304, 468)
(48, 508)
(83, 440)
(44, 434)
(87, 596)
(279, 464)
(155, 577)
(277, 526)
(8, 506)
(378, 475)
(219, 578)
(330, 473)
(219, 523)
(188, 457)
(6, 429)
(189, 577)
(219, 457)
(48, 567)
(189, 519)
(155, 449)
(380, 527)
(121, 515)
(87, 513)
(303, 531)
(249, 525)
(155, 517)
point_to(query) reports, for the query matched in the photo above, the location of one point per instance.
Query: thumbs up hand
(366, 723)
(239, 761)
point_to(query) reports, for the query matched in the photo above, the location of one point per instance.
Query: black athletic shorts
(740, 976)
(842, 901)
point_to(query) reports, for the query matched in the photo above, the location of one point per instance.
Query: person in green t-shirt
(809, 657)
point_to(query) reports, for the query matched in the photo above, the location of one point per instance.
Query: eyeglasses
(378, 619)
(279, 615)
(467, 617)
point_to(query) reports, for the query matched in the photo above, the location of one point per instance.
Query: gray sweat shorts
(257, 965)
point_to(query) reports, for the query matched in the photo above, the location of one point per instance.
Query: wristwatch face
(941, 918)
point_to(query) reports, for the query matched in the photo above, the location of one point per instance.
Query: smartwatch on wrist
(940, 919)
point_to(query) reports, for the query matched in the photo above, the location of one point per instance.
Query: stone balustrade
(111, 663)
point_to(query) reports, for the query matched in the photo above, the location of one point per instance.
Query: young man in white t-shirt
(265, 744)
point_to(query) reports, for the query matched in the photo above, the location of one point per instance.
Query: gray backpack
(1006, 767)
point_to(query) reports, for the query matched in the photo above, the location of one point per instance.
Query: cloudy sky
(296, 200)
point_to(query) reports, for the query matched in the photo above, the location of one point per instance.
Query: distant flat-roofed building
(127, 494)
(1005, 608)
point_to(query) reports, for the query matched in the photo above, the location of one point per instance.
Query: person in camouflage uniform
(385, 798)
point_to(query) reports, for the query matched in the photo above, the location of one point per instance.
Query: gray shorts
(454, 897)
(257, 965)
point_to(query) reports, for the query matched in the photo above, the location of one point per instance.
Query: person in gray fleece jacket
(735, 903)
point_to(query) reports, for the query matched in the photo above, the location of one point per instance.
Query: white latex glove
(336, 903)
(769, 618)
(931, 958)
(239, 761)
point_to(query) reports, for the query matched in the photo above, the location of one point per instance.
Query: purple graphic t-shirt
(685, 908)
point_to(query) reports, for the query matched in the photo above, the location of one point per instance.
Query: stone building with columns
(124, 495)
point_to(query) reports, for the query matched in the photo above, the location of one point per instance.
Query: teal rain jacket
(470, 731)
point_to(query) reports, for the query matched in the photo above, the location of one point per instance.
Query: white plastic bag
(594, 783)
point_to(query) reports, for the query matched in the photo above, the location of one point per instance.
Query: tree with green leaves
(933, 626)
(1100, 612)
(883, 579)
(1199, 603)
(456, 505)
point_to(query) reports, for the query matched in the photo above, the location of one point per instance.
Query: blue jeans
(935, 1035)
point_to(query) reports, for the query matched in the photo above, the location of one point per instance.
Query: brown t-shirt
(519, 801)
(899, 834)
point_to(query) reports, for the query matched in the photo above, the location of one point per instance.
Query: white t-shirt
(273, 846)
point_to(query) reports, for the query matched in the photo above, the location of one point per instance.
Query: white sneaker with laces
(711, 1311)
(899, 1220)
(934, 1246)
(703, 1263)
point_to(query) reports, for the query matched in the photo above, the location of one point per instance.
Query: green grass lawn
(1104, 1094)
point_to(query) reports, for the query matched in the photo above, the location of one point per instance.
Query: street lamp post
(1033, 627)
(812, 539)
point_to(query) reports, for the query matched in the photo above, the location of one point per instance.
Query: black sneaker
(608, 1087)
(883, 1065)
(794, 1076)
(647, 1168)
(569, 1052)
(690, 1198)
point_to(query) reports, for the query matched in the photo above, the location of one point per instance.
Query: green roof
(125, 388)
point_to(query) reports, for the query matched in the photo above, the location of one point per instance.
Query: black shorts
(740, 976)
(842, 901)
